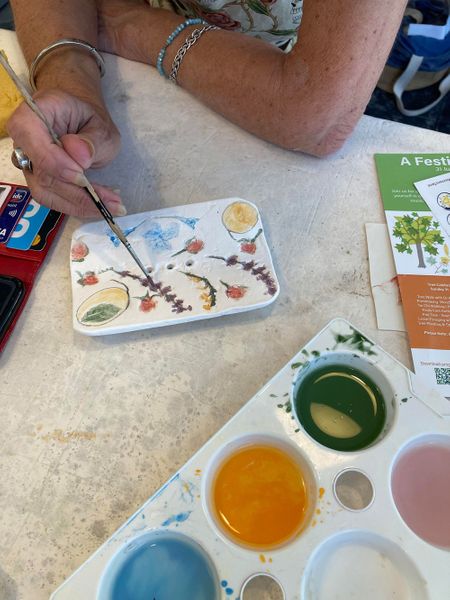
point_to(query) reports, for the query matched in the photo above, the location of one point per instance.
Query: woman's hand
(89, 138)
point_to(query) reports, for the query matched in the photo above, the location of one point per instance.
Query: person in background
(297, 74)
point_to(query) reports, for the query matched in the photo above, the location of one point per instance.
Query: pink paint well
(421, 489)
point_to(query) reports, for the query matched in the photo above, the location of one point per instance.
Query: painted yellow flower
(240, 217)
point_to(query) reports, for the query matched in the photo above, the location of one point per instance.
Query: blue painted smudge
(115, 240)
(158, 238)
(189, 221)
(179, 518)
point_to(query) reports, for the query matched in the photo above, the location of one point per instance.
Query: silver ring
(21, 161)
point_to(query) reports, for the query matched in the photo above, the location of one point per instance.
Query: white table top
(92, 426)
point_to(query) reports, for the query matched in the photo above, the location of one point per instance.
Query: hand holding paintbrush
(74, 109)
(26, 164)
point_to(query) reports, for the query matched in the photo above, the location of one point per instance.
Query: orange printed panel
(426, 307)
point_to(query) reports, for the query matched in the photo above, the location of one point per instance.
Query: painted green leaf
(100, 313)
(282, 32)
(258, 7)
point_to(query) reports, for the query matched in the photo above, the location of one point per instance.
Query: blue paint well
(179, 518)
(160, 565)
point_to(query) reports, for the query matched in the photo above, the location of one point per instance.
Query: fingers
(50, 162)
(89, 138)
(73, 200)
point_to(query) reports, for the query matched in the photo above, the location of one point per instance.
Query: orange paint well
(259, 496)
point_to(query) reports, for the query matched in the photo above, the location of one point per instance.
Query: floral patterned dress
(275, 21)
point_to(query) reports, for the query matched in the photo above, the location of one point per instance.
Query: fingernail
(74, 177)
(90, 145)
(116, 191)
(118, 210)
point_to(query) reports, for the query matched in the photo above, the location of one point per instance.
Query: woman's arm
(69, 93)
(308, 100)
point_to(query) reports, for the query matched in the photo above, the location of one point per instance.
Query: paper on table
(383, 279)
(421, 255)
(436, 193)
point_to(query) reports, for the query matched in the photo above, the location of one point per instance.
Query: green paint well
(340, 407)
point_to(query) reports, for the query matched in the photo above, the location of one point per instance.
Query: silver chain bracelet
(190, 41)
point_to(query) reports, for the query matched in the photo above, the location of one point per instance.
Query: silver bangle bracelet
(66, 42)
(189, 42)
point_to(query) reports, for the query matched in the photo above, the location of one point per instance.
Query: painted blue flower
(158, 238)
(189, 221)
(115, 240)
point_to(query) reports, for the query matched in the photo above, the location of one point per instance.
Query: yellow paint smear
(321, 492)
(10, 98)
(262, 558)
(64, 437)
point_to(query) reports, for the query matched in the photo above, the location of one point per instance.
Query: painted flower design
(78, 252)
(88, 278)
(193, 246)
(158, 238)
(221, 20)
(249, 245)
(188, 221)
(147, 302)
(260, 272)
(208, 291)
(235, 292)
(115, 240)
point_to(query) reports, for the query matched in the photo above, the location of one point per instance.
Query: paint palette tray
(346, 494)
(205, 260)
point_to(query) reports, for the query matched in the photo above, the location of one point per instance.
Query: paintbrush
(86, 184)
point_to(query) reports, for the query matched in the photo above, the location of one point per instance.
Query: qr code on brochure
(442, 376)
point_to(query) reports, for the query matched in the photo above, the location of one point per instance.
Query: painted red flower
(248, 247)
(222, 20)
(147, 303)
(194, 246)
(79, 251)
(89, 278)
(235, 292)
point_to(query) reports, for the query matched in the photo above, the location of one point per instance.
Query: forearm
(309, 99)
(41, 22)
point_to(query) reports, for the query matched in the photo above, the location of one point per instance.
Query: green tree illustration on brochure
(420, 247)
(421, 232)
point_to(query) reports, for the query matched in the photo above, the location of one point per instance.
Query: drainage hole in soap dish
(259, 492)
(170, 266)
(421, 488)
(353, 489)
(262, 587)
(163, 565)
(341, 401)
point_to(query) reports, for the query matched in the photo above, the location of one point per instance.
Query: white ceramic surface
(205, 260)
